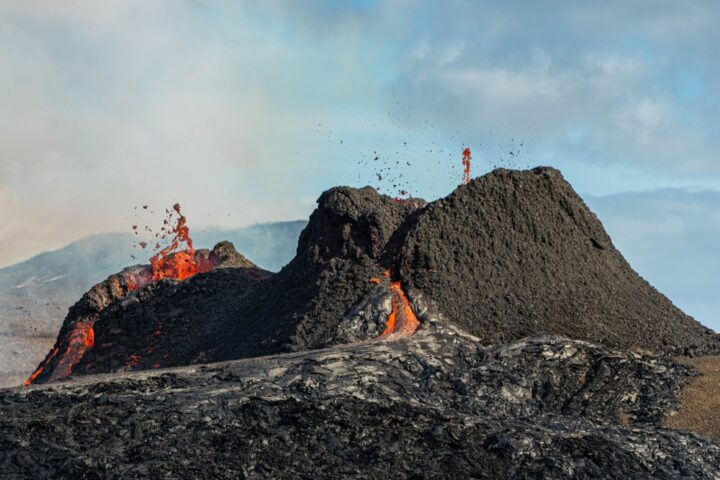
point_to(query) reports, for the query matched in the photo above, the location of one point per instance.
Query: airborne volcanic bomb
(495, 333)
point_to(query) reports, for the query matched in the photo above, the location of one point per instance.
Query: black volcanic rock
(224, 255)
(512, 254)
(117, 344)
(237, 310)
(437, 404)
(353, 223)
(514, 258)
(516, 253)
(171, 323)
(338, 253)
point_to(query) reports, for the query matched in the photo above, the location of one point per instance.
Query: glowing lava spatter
(466, 165)
(169, 263)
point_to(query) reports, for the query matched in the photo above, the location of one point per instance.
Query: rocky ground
(437, 404)
(540, 354)
(699, 409)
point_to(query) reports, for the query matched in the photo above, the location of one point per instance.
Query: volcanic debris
(509, 255)
(537, 352)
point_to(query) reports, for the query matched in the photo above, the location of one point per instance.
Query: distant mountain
(36, 294)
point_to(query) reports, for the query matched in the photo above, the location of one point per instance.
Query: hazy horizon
(132, 239)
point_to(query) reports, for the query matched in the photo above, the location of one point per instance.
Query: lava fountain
(466, 157)
(169, 262)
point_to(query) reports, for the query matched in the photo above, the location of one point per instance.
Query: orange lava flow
(33, 376)
(40, 369)
(402, 319)
(90, 338)
(466, 164)
(81, 338)
(168, 263)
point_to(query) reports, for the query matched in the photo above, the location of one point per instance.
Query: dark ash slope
(118, 334)
(516, 253)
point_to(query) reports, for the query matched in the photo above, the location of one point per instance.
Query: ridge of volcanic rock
(353, 222)
(224, 255)
(511, 254)
(80, 329)
(235, 316)
(339, 251)
(517, 253)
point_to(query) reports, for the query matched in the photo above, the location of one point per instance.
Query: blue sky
(246, 111)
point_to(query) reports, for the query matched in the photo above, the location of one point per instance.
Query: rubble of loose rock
(435, 405)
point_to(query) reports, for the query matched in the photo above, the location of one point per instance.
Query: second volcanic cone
(516, 253)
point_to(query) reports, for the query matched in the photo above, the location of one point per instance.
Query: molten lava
(81, 338)
(40, 369)
(466, 164)
(90, 338)
(169, 263)
(402, 319)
